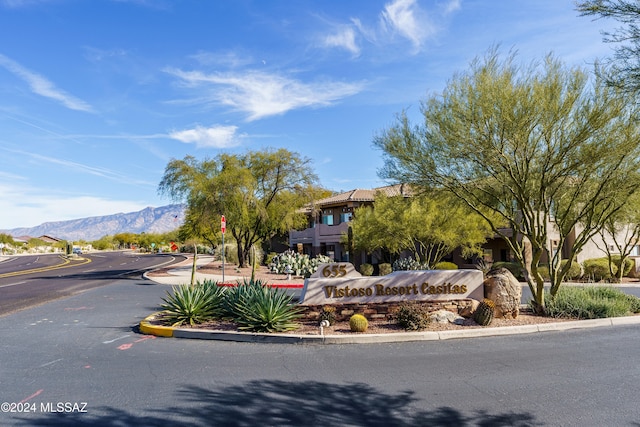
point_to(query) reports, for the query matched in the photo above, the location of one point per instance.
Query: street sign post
(223, 229)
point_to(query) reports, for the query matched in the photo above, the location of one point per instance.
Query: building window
(635, 251)
(327, 219)
(345, 217)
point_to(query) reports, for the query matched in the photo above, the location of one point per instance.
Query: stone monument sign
(340, 283)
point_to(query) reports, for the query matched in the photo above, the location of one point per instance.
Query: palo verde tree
(428, 226)
(552, 153)
(625, 63)
(259, 193)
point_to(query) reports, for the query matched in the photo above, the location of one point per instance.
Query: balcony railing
(321, 233)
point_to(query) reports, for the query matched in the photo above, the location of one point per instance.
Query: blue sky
(96, 97)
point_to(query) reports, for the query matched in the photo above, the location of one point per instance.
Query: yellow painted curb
(160, 331)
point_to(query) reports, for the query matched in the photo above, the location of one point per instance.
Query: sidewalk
(180, 274)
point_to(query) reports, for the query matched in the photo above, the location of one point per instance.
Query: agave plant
(266, 310)
(241, 292)
(188, 304)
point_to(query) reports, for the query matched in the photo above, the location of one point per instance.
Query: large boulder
(501, 287)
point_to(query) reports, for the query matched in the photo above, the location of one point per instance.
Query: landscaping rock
(501, 287)
(467, 312)
(445, 316)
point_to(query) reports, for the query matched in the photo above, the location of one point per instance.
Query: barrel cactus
(328, 313)
(484, 313)
(358, 323)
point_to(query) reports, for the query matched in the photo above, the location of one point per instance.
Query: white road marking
(13, 284)
(114, 340)
(50, 363)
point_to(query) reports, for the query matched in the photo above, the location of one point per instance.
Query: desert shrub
(230, 254)
(544, 272)
(384, 269)
(328, 313)
(597, 269)
(412, 317)
(269, 258)
(634, 303)
(513, 267)
(590, 303)
(366, 269)
(445, 265)
(628, 264)
(575, 271)
(405, 264)
(188, 304)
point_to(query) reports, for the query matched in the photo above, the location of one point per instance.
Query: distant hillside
(148, 220)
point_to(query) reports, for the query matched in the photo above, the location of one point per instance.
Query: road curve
(35, 280)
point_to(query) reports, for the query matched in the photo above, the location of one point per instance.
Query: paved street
(30, 280)
(82, 354)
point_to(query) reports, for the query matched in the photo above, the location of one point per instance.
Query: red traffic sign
(223, 224)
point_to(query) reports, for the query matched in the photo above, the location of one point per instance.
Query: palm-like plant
(269, 310)
(188, 304)
(259, 308)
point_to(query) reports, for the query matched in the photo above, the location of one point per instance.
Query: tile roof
(361, 195)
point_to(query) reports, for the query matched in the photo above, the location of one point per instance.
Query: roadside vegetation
(543, 152)
(251, 305)
(592, 303)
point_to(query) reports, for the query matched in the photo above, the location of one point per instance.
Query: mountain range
(149, 220)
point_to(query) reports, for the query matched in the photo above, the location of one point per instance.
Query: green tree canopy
(625, 62)
(623, 230)
(6, 238)
(125, 239)
(543, 147)
(259, 193)
(429, 226)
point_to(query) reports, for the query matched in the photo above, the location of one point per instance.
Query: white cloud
(215, 136)
(405, 18)
(344, 38)
(96, 55)
(82, 168)
(222, 59)
(452, 6)
(261, 94)
(43, 87)
(399, 18)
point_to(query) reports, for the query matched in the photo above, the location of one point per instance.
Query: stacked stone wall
(381, 311)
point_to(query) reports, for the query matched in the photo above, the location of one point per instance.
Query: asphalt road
(26, 281)
(78, 361)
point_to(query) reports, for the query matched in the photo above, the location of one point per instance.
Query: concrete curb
(205, 334)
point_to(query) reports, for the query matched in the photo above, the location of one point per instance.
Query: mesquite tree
(259, 193)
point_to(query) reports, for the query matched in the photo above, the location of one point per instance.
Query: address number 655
(334, 270)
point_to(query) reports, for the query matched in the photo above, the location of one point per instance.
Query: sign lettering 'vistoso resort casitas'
(340, 283)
